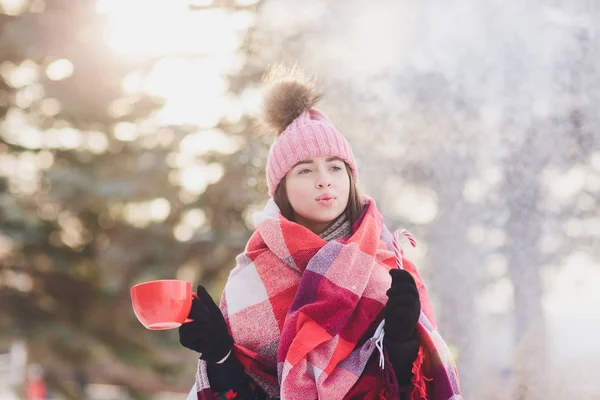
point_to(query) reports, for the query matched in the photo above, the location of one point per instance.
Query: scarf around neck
(306, 314)
(339, 228)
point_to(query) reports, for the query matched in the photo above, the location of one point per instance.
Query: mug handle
(195, 296)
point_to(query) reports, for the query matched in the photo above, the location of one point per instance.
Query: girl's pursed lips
(325, 196)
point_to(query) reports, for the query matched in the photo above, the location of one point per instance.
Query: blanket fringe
(389, 390)
(419, 380)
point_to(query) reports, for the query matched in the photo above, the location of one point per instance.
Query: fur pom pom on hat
(302, 130)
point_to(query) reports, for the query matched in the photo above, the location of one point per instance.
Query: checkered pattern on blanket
(301, 311)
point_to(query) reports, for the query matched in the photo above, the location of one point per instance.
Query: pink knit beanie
(303, 131)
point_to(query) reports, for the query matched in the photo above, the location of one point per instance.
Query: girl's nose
(323, 181)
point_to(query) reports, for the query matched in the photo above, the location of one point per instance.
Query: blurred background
(128, 152)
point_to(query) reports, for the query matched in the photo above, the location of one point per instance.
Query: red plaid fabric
(302, 312)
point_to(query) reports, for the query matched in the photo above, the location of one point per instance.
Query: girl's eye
(306, 170)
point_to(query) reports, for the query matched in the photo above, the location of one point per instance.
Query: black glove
(207, 333)
(401, 316)
(403, 307)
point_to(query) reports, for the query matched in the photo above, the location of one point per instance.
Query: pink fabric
(309, 135)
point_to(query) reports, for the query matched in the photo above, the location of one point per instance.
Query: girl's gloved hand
(401, 316)
(207, 333)
(403, 307)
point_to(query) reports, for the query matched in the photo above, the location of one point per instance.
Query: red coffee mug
(162, 304)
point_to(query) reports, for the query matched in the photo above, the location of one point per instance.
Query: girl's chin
(324, 216)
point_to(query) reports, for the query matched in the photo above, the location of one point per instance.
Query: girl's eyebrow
(312, 162)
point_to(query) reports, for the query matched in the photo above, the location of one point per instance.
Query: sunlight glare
(183, 232)
(59, 69)
(573, 289)
(13, 7)
(564, 185)
(69, 138)
(44, 159)
(417, 204)
(194, 96)
(196, 178)
(160, 209)
(97, 142)
(497, 298)
(22, 75)
(162, 27)
(201, 3)
(141, 214)
(595, 160)
(125, 131)
(30, 137)
(132, 83)
(50, 107)
(195, 218)
(474, 191)
(210, 140)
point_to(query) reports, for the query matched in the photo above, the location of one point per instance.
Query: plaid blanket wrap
(306, 315)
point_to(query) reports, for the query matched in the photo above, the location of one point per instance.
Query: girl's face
(318, 189)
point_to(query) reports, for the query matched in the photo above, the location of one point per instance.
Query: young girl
(322, 303)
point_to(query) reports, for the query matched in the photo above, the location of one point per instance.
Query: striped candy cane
(396, 242)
